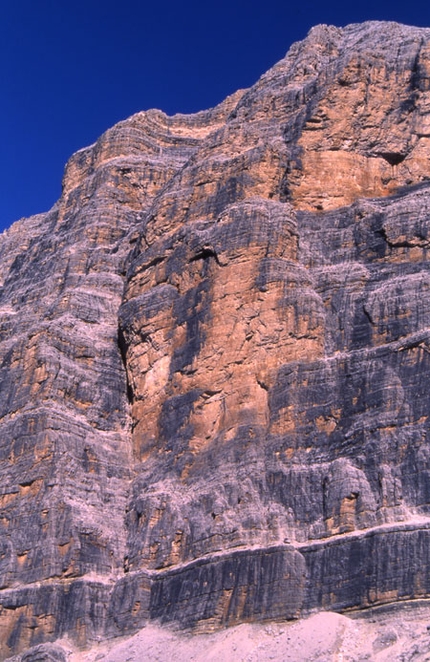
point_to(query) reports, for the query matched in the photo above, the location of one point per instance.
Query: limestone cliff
(214, 358)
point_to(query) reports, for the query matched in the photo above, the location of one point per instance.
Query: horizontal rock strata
(214, 358)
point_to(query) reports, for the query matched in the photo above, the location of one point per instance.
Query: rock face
(215, 353)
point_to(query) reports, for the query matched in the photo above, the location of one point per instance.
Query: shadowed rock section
(214, 358)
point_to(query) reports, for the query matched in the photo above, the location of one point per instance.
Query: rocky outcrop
(214, 358)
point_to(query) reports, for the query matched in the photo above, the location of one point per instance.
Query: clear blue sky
(69, 69)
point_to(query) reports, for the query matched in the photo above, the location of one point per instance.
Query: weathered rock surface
(214, 358)
(386, 634)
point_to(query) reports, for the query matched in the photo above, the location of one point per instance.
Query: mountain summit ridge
(213, 358)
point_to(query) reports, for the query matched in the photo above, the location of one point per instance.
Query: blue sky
(70, 69)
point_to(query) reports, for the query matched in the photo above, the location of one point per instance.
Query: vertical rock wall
(214, 358)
